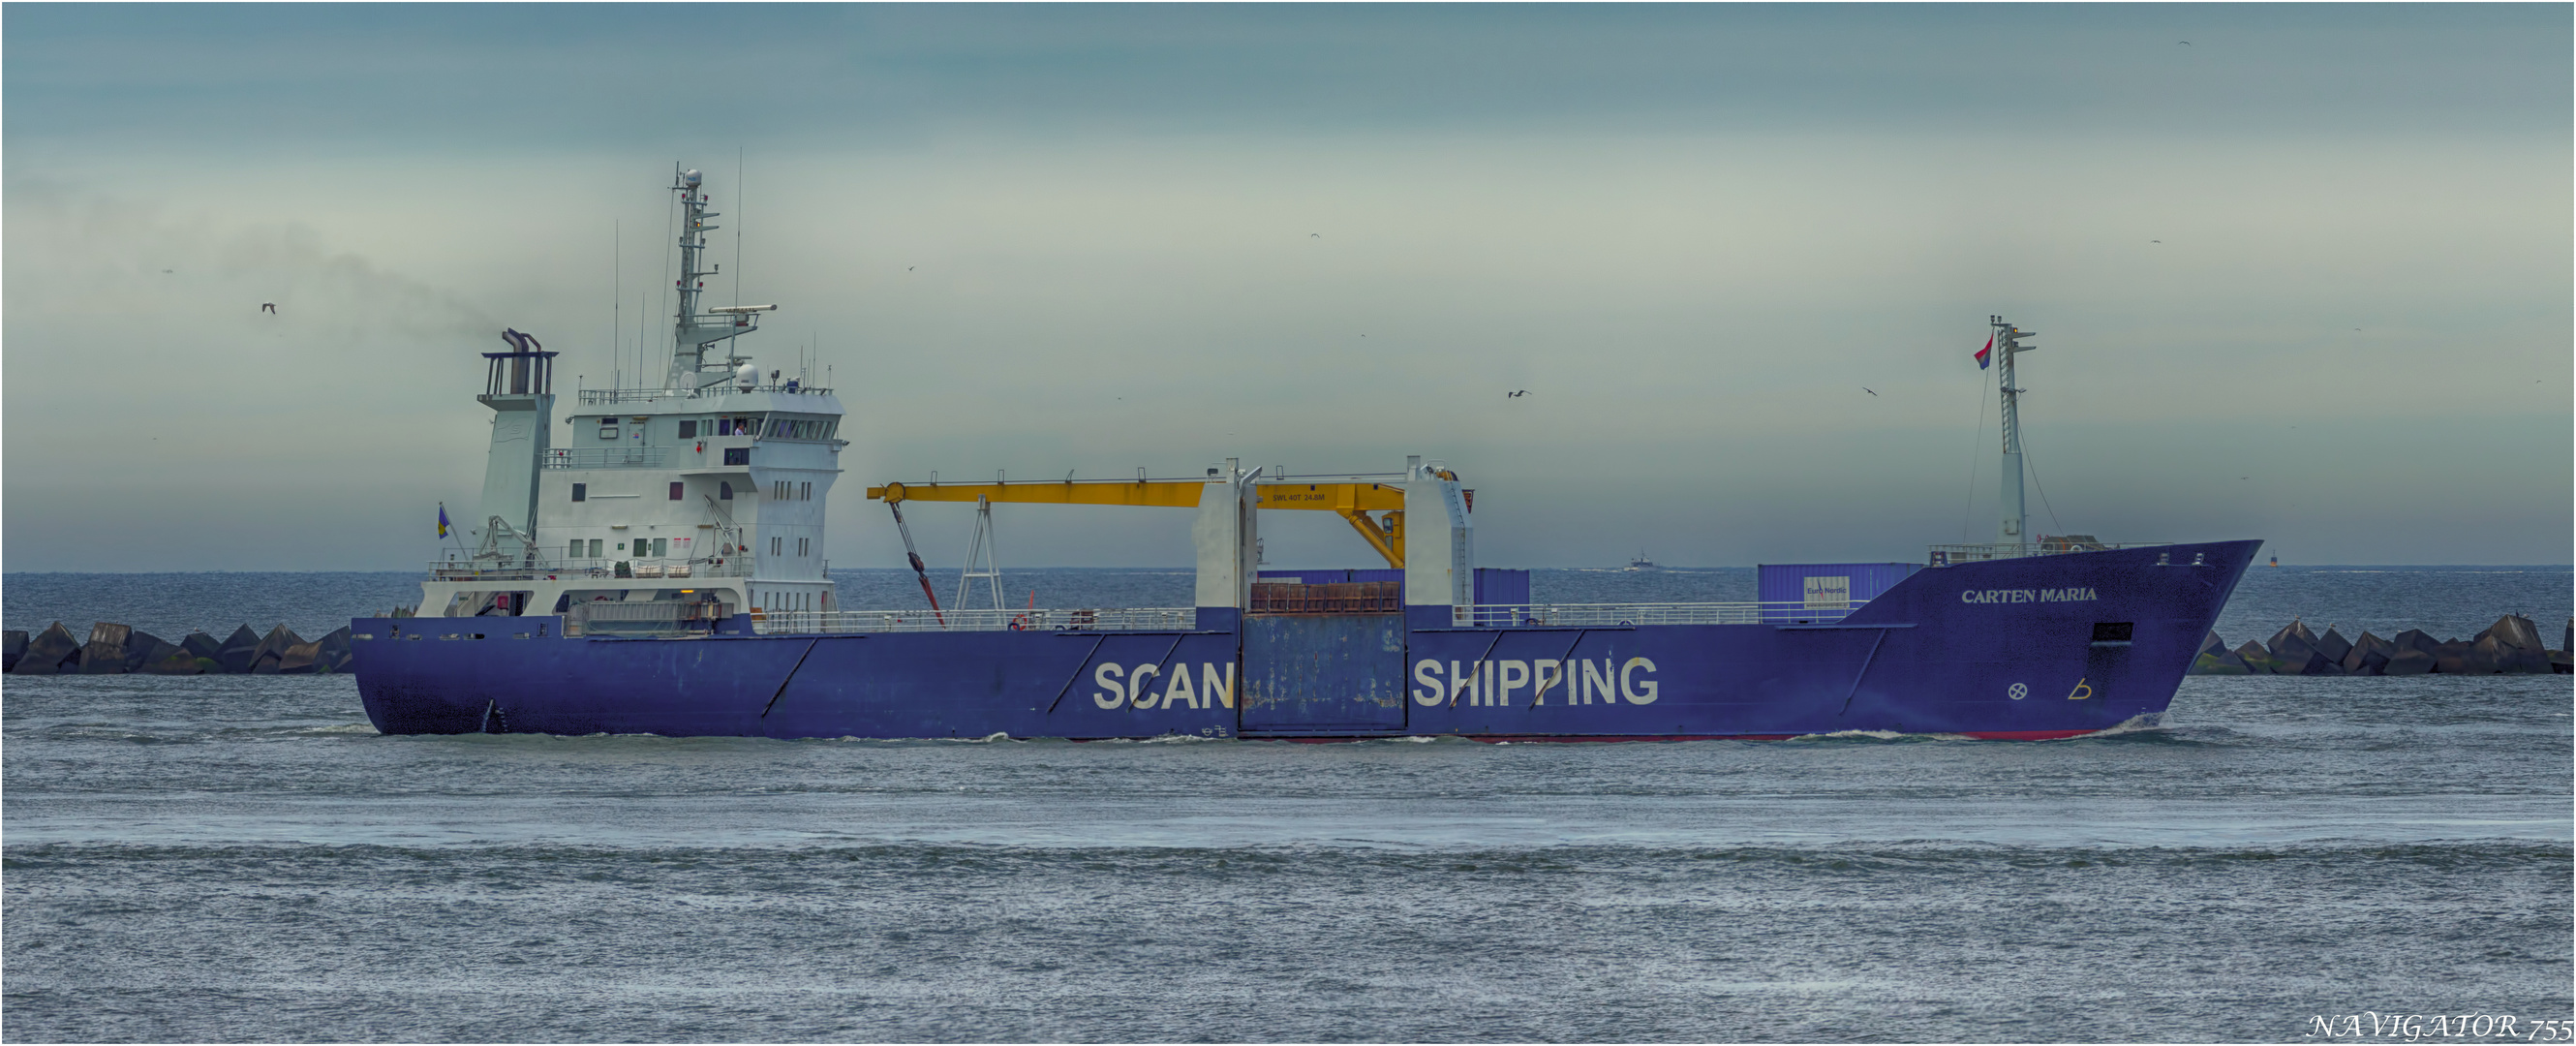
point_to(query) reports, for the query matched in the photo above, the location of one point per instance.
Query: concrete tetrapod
(240, 651)
(49, 652)
(2215, 659)
(104, 654)
(2368, 657)
(2294, 653)
(336, 652)
(171, 660)
(2334, 646)
(140, 648)
(270, 656)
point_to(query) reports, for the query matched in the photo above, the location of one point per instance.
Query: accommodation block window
(677, 489)
(581, 492)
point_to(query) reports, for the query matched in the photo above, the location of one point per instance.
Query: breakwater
(114, 649)
(2511, 646)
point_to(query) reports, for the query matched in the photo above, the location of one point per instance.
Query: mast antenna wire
(738, 212)
(616, 284)
(2043, 490)
(670, 227)
(1969, 510)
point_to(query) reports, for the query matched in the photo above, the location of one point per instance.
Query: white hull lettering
(2073, 594)
(1430, 689)
(1214, 688)
(1480, 684)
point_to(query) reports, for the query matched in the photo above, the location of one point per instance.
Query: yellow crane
(1352, 500)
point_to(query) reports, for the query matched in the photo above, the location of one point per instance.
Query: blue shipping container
(1792, 592)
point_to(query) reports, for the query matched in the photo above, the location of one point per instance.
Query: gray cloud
(1084, 238)
(245, 80)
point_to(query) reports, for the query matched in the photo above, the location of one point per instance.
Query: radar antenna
(693, 329)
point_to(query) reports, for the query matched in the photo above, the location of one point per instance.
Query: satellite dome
(746, 376)
(691, 177)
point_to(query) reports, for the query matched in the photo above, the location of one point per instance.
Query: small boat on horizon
(1642, 563)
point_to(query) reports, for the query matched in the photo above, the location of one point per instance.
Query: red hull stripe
(1980, 735)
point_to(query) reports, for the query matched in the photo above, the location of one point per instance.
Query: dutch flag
(1985, 355)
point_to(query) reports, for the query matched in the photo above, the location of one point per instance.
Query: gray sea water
(243, 858)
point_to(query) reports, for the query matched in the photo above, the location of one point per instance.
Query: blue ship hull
(2023, 648)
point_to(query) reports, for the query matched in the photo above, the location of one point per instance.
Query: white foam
(2136, 724)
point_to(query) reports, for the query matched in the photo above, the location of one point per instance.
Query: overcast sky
(2304, 277)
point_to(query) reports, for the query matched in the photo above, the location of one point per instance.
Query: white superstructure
(692, 501)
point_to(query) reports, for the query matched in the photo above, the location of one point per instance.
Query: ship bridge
(694, 499)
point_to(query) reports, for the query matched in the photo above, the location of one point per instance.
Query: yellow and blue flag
(442, 519)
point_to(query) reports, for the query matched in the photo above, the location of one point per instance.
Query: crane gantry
(1351, 497)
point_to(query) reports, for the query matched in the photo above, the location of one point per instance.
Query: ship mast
(2008, 341)
(692, 330)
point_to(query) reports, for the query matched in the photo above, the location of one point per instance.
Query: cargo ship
(665, 574)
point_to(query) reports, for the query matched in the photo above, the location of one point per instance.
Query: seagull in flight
(1869, 390)
(269, 307)
(1315, 235)
(1516, 395)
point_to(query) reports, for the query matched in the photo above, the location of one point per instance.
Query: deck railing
(805, 622)
(594, 397)
(605, 569)
(656, 617)
(1623, 615)
(1945, 555)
